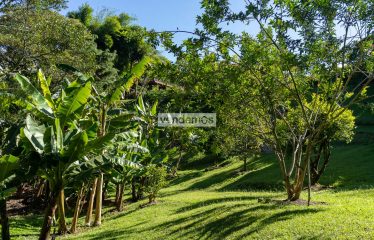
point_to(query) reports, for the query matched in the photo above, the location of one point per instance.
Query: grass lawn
(223, 204)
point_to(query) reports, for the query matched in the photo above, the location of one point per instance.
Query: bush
(155, 180)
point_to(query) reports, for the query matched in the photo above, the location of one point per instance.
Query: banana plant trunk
(117, 193)
(48, 216)
(99, 199)
(119, 204)
(40, 190)
(99, 188)
(88, 219)
(74, 222)
(62, 229)
(133, 190)
(5, 234)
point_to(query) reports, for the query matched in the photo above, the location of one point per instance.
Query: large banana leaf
(8, 163)
(73, 103)
(59, 135)
(45, 89)
(122, 122)
(49, 141)
(97, 145)
(136, 73)
(37, 99)
(35, 134)
(76, 146)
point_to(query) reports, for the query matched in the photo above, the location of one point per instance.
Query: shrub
(155, 180)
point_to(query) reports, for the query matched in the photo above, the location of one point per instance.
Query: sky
(154, 14)
(160, 15)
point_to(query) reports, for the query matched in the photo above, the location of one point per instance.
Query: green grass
(223, 204)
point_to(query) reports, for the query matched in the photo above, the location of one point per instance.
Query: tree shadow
(263, 174)
(216, 178)
(219, 218)
(28, 226)
(185, 177)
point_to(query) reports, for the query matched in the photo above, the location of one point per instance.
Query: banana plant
(59, 136)
(109, 116)
(124, 159)
(8, 165)
(78, 175)
(149, 133)
(149, 138)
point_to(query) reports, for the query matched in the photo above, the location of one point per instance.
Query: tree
(28, 45)
(234, 133)
(39, 4)
(117, 34)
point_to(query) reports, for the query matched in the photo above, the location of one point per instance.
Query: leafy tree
(116, 34)
(28, 45)
(39, 4)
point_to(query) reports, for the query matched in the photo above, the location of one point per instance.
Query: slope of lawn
(223, 204)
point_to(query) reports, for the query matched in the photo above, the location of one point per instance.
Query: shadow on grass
(216, 178)
(263, 174)
(25, 226)
(185, 177)
(215, 219)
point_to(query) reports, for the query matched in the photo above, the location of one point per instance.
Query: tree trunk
(140, 192)
(133, 190)
(317, 172)
(91, 203)
(62, 229)
(47, 191)
(117, 193)
(40, 190)
(175, 170)
(20, 190)
(48, 216)
(74, 222)
(99, 196)
(105, 190)
(119, 204)
(299, 180)
(5, 234)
